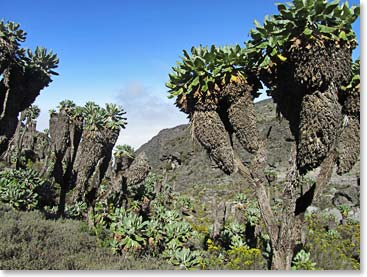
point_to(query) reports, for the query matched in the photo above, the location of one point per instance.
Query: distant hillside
(177, 145)
(187, 163)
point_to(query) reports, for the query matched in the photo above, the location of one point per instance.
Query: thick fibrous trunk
(305, 88)
(127, 172)
(349, 142)
(41, 146)
(320, 124)
(25, 142)
(351, 105)
(286, 94)
(65, 136)
(242, 116)
(76, 131)
(8, 128)
(209, 130)
(28, 141)
(60, 143)
(348, 146)
(93, 156)
(7, 54)
(318, 63)
(310, 68)
(138, 170)
(122, 163)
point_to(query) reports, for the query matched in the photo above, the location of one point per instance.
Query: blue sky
(122, 51)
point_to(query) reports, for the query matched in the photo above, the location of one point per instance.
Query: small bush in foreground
(29, 242)
(333, 248)
(24, 189)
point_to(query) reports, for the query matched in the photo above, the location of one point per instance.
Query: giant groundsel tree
(24, 73)
(66, 127)
(303, 56)
(101, 128)
(214, 90)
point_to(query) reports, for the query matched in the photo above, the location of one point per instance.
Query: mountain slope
(186, 163)
(175, 147)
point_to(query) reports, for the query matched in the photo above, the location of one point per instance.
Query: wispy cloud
(148, 112)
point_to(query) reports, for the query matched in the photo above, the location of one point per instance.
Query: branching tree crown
(310, 20)
(200, 76)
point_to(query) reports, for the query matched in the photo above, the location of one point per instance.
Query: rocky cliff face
(186, 163)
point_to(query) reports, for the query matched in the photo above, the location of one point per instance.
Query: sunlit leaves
(124, 150)
(11, 31)
(32, 112)
(356, 78)
(114, 117)
(205, 70)
(67, 105)
(40, 60)
(94, 117)
(307, 19)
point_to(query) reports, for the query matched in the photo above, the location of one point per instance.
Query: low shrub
(24, 189)
(245, 258)
(184, 258)
(30, 242)
(333, 249)
(77, 210)
(302, 261)
(235, 258)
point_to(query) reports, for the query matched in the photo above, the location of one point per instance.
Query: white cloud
(148, 112)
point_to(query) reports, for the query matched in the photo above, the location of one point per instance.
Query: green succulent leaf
(202, 71)
(124, 150)
(22, 189)
(306, 19)
(355, 80)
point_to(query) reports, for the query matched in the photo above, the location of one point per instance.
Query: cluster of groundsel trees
(82, 139)
(76, 150)
(303, 55)
(76, 153)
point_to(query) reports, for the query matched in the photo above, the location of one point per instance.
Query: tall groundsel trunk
(209, 130)
(64, 142)
(320, 125)
(304, 79)
(138, 170)
(91, 163)
(349, 141)
(241, 114)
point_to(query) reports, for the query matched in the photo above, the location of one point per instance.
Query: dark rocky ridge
(187, 164)
(177, 146)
